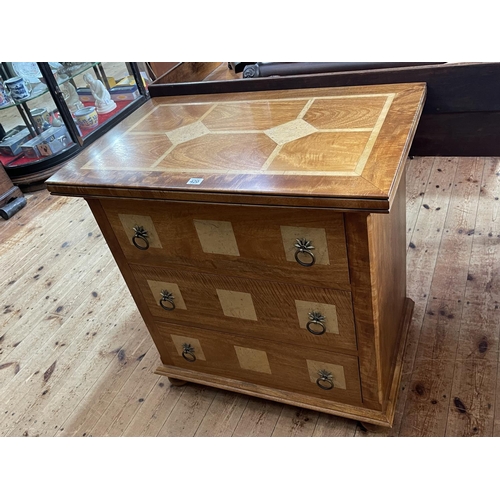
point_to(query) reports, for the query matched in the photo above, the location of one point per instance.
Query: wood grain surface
(252, 242)
(387, 242)
(256, 309)
(270, 366)
(299, 143)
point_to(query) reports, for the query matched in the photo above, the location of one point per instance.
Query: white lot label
(195, 180)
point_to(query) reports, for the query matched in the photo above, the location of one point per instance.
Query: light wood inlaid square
(317, 237)
(237, 304)
(253, 359)
(290, 131)
(187, 133)
(216, 236)
(178, 340)
(329, 311)
(337, 372)
(157, 286)
(129, 221)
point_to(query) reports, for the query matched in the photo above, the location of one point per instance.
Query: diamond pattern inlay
(252, 359)
(290, 131)
(327, 135)
(237, 304)
(328, 311)
(338, 376)
(179, 342)
(217, 237)
(187, 133)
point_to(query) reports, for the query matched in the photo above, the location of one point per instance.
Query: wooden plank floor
(76, 359)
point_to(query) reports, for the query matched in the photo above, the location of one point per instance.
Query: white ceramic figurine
(103, 101)
(71, 97)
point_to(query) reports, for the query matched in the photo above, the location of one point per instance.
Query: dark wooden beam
(458, 134)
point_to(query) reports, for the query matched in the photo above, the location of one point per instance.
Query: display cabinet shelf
(42, 130)
(40, 90)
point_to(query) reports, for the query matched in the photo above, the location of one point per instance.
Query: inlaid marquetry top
(339, 147)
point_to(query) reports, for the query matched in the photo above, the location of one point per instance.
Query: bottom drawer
(323, 374)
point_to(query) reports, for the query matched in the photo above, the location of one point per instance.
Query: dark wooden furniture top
(342, 148)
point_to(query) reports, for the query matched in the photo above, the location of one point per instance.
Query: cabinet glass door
(49, 111)
(31, 127)
(96, 92)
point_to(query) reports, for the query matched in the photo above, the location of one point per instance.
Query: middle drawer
(310, 316)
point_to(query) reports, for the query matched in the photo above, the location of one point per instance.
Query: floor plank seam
(462, 308)
(241, 416)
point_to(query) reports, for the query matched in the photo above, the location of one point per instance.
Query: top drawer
(285, 244)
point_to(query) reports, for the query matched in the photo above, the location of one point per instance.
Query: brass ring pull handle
(304, 247)
(325, 380)
(140, 235)
(167, 298)
(188, 353)
(316, 324)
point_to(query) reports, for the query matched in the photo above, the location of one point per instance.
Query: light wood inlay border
(197, 128)
(373, 137)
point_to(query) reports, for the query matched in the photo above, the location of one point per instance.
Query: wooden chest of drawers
(262, 236)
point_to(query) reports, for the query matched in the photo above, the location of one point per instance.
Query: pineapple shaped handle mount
(140, 238)
(325, 380)
(303, 254)
(188, 353)
(167, 300)
(316, 324)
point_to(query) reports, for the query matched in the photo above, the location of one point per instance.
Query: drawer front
(254, 242)
(303, 370)
(295, 314)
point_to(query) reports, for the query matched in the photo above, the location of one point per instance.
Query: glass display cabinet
(49, 111)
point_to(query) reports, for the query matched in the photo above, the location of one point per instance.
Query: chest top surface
(334, 147)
